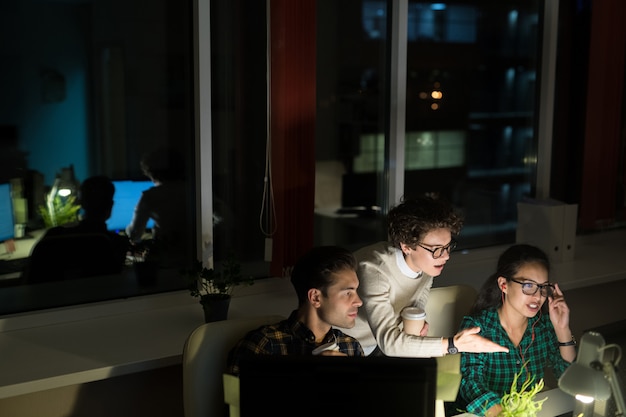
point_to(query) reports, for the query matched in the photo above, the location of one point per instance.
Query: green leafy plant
(521, 403)
(208, 283)
(61, 211)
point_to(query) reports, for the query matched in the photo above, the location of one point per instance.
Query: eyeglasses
(531, 288)
(438, 251)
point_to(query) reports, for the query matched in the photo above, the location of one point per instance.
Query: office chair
(446, 307)
(72, 256)
(204, 362)
(444, 311)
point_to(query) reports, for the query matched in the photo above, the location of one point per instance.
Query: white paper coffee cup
(413, 319)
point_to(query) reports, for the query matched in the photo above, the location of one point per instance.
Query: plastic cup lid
(413, 313)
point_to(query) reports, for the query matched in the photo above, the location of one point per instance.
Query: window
(92, 85)
(470, 120)
(88, 89)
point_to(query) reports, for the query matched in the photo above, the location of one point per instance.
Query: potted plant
(59, 211)
(214, 287)
(521, 403)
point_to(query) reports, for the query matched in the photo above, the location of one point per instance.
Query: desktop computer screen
(127, 194)
(335, 385)
(359, 190)
(7, 228)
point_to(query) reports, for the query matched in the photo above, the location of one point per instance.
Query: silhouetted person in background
(84, 249)
(166, 204)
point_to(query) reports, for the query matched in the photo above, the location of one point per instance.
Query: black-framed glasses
(439, 251)
(531, 288)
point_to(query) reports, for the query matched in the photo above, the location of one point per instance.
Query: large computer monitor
(127, 194)
(7, 225)
(359, 191)
(336, 386)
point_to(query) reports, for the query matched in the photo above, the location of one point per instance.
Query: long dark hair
(509, 263)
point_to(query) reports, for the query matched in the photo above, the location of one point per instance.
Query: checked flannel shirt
(288, 337)
(488, 376)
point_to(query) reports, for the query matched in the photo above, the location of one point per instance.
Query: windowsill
(68, 346)
(74, 345)
(598, 258)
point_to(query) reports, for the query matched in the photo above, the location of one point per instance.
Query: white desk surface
(23, 246)
(22, 249)
(92, 348)
(556, 404)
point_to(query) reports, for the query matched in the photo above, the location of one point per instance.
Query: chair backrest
(72, 256)
(204, 361)
(444, 311)
(446, 307)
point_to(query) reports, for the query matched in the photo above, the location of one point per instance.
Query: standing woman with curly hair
(399, 273)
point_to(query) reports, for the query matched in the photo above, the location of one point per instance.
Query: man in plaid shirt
(326, 285)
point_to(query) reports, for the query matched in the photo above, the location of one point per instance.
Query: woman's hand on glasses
(559, 310)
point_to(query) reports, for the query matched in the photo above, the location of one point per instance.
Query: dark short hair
(315, 268)
(96, 195)
(412, 219)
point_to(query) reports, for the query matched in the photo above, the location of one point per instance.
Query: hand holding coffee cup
(413, 319)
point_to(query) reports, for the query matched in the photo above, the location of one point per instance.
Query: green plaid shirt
(488, 376)
(288, 337)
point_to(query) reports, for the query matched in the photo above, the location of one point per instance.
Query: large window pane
(239, 132)
(350, 129)
(90, 88)
(470, 113)
(471, 82)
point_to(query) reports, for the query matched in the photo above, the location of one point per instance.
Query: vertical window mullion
(545, 113)
(204, 156)
(397, 102)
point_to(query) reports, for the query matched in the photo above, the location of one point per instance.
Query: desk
(557, 403)
(48, 349)
(23, 248)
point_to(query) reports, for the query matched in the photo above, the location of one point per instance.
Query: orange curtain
(292, 103)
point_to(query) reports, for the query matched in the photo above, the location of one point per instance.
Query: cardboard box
(550, 225)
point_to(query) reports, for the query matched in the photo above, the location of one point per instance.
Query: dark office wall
(44, 83)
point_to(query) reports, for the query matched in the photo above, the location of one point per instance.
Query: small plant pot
(215, 308)
(146, 273)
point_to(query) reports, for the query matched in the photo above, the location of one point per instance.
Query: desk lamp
(591, 376)
(65, 183)
(64, 186)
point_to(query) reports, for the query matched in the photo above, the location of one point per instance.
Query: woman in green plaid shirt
(511, 310)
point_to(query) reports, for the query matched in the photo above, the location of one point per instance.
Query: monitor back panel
(326, 385)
